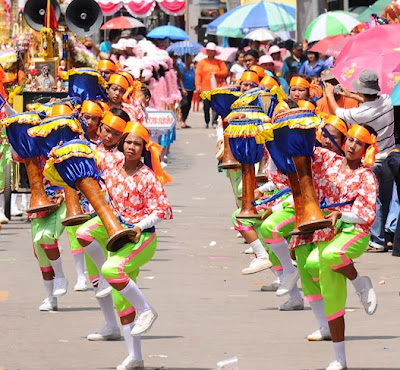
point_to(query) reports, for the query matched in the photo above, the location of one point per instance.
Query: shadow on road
(72, 309)
(371, 337)
(161, 337)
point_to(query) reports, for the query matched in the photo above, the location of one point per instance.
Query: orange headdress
(306, 104)
(259, 70)
(107, 64)
(120, 80)
(269, 82)
(251, 76)
(314, 88)
(92, 108)
(362, 134)
(113, 121)
(61, 110)
(138, 129)
(337, 123)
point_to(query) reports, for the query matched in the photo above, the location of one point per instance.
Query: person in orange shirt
(341, 100)
(210, 73)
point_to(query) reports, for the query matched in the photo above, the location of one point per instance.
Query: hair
(369, 128)
(291, 103)
(371, 96)
(313, 52)
(120, 113)
(114, 34)
(240, 51)
(252, 52)
(145, 91)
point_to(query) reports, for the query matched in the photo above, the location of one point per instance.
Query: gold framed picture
(47, 72)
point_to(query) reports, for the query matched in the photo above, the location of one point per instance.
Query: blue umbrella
(185, 47)
(168, 31)
(264, 14)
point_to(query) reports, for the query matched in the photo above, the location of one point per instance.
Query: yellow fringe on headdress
(261, 133)
(251, 115)
(279, 93)
(207, 94)
(38, 107)
(304, 119)
(84, 71)
(62, 154)
(45, 129)
(22, 119)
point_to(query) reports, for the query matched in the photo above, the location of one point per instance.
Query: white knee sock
(259, 249)
(281, 250)
(49, 284)
(79, 260)
(57, 267)
(318, 309)
(107, 308)
(132, 343)
(133, 294)
(340, 352)
(24, 201)
(95, 252)
(295, 293)
(14, 204)
(358, 283)
(2, 202)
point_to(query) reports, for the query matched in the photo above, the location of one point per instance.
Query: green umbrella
(330, 24)
(376, 8)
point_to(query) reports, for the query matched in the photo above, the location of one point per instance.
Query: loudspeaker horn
(84, 17)
(35, 10)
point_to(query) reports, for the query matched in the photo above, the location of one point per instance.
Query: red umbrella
(348, 68)
(331, 45)
(122, 23)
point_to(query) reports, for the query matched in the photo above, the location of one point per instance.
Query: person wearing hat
(249, 80)
(107, 67)
(342, 100)
(268, 64)
(295, 61)
(281, 68)
(377, 111)
(92, 112)
(210, 74)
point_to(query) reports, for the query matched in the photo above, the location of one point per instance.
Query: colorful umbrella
(185, 47)
(331, 45)
(168, 31)
(383, 63)
(260, 34)
(244, 19)
(122, 23)
(329, 24)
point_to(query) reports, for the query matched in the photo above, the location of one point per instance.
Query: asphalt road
(207, 310)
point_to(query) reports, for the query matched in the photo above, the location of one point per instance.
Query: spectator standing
(210, 73)
(313, 66)
(187, 86)
(295, 61)
(113, 38)
(376, 111)
(281, 68)
(238, 68)
(251, 58)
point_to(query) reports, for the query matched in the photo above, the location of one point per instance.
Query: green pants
(45, 234)
(276, 228)
(333, 255)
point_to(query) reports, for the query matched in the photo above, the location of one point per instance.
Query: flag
(50, 18)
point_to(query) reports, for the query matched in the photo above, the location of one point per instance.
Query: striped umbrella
(329, 24)
(185, 47)
(241, 20)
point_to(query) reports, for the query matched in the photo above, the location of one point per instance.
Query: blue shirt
(188, 78)
(315, 71)
(105, 47)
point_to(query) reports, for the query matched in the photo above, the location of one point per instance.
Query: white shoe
(239, 235)
(321, 334)
(257, 265)
(16, 212)
(81, 285)
(49, 304)
(131, 363)
(287, 282)
(143, 322)
(249, 250)
(3, 218)
(103, 289)
(273, 287)
(336, 365)
(60, 287)
(292, 304)
(105, 333)
(368, 297)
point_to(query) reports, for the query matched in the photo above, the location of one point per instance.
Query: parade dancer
(140, 210)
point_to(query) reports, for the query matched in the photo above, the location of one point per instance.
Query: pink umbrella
(348, 68)
(331, 45)
(225, 54)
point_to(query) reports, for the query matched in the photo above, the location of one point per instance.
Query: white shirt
(379, 115)
(237, 70)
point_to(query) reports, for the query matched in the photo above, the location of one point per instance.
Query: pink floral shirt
(135, 111)
(338, 184)
(138, 196)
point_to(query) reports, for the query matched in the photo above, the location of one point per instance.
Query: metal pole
(346, 5)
